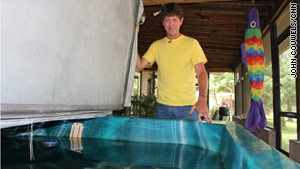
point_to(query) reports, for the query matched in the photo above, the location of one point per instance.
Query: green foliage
(289, 132)
(267, 97)
(141, 106)
(221, 83)
(144, 106)
(135, 86)
(287, 84)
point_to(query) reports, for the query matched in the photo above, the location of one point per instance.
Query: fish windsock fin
(253, 118)
(263, 121)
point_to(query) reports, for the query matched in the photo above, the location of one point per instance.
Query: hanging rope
(31, 143)
(253, 4)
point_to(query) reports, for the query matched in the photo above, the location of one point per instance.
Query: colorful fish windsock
(252, 52)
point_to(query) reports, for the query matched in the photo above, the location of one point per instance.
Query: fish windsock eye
(252, 24)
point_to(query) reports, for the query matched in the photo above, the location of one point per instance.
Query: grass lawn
(289, 131)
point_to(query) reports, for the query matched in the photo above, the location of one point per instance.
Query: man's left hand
(201, 108)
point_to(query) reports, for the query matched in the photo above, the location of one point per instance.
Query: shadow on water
(108, 154)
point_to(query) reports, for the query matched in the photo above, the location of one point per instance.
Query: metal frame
(298, 78)
(276, 84)
(275, 42)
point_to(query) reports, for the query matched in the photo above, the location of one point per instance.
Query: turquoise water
(150, 143)
(106, 154)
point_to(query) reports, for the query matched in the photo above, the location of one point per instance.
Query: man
(178, 58)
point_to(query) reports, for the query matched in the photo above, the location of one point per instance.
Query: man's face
(172, 25)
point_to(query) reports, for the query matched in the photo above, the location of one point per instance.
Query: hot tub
(155, 143)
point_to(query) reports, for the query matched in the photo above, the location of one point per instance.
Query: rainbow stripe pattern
(253, 59)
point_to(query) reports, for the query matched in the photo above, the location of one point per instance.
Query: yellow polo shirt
(176, 71)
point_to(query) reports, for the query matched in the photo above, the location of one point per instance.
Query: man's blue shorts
(175, 112)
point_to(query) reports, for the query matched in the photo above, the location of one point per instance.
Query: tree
(287, 85)
(221, 82)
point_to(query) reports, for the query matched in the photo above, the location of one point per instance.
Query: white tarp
(67, 55)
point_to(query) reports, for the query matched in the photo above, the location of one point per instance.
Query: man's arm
(141, 63)
(201, 104)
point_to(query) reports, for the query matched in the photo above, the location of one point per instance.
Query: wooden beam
(225, 7)
(221, 52)
(225, 41)
(224, 58)
(245, 3)
(206, 29)
(219, 45)
(160, 2)
(275, 16)
(216, 69)
(218, 24)
(211, 15)
(217, 6)
(216, 35)
(238, 67)
(213, 28)
(221, 64)
(144, 34)
(192, 22)
(213, 65)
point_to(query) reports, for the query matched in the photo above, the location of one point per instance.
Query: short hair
(171, 9)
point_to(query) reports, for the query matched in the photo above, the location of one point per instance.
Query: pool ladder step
(75, 137)
(76, 130)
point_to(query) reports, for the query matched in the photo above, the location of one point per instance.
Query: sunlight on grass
(270, 120)
(289, 132)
